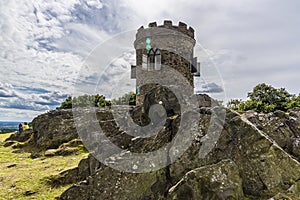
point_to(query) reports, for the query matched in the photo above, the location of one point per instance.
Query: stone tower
(160, 48)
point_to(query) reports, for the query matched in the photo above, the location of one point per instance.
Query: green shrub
(85, 100)
(265, 98)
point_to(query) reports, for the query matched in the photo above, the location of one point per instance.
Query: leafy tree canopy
(265, 98)
(85, 100)
(126, 99)
(97, 101)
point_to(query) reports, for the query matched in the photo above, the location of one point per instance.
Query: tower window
(157, 59)
(152, 61)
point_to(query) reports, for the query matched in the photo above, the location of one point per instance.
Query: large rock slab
(54, 128)
(218, 181)
(263, 166)
(282, 127)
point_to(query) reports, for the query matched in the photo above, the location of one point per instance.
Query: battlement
(182, 27)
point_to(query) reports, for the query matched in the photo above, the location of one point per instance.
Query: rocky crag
(53, 133)
(256, 157)
(245, 163)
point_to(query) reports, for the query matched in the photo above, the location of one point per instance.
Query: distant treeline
(265, 98)
(7, 130)
(97, 101)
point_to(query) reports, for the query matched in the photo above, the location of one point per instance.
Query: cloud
(27, 47)
(25, 98)
(23, 104)
(112, 80)
(44, 44)
(210, 88)
(9, 114)
(6, 90)
(29, 90)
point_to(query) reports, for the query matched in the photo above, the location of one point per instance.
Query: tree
(126, 99)
(100, 101)
(268, 95)
(265, 98)
(66, 104)
(85, 100)
(294, 102)
(234, 104)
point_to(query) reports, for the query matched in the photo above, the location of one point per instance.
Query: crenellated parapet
(181, 27)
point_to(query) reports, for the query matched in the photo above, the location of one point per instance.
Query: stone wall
(176, 44)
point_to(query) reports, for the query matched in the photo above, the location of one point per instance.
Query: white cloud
(9, 114)
(43, 44)
(6, 90)
(94, 3)
(32, 99)
(28, 30)
(210, 88)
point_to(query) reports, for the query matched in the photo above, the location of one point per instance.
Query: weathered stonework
(176, 44)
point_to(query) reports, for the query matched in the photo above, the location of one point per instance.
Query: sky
(45, 46)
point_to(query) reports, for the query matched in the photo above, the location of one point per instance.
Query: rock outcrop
(218, 181)
(246, 162)
(20, 137)
(255, 156)
(283, 128)
(50, 130)
(53, 129)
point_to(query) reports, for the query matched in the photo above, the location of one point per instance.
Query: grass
(31, 174)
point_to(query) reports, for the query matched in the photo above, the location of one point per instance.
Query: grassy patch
(30, 174)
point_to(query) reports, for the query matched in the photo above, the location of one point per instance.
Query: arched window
(152, 61)
(157, 65)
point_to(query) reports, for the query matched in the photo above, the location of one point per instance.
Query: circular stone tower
(159, 48)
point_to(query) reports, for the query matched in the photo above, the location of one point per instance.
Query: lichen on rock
(245, 162)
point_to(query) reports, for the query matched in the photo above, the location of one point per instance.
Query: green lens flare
(148, 40)
(148, 47)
